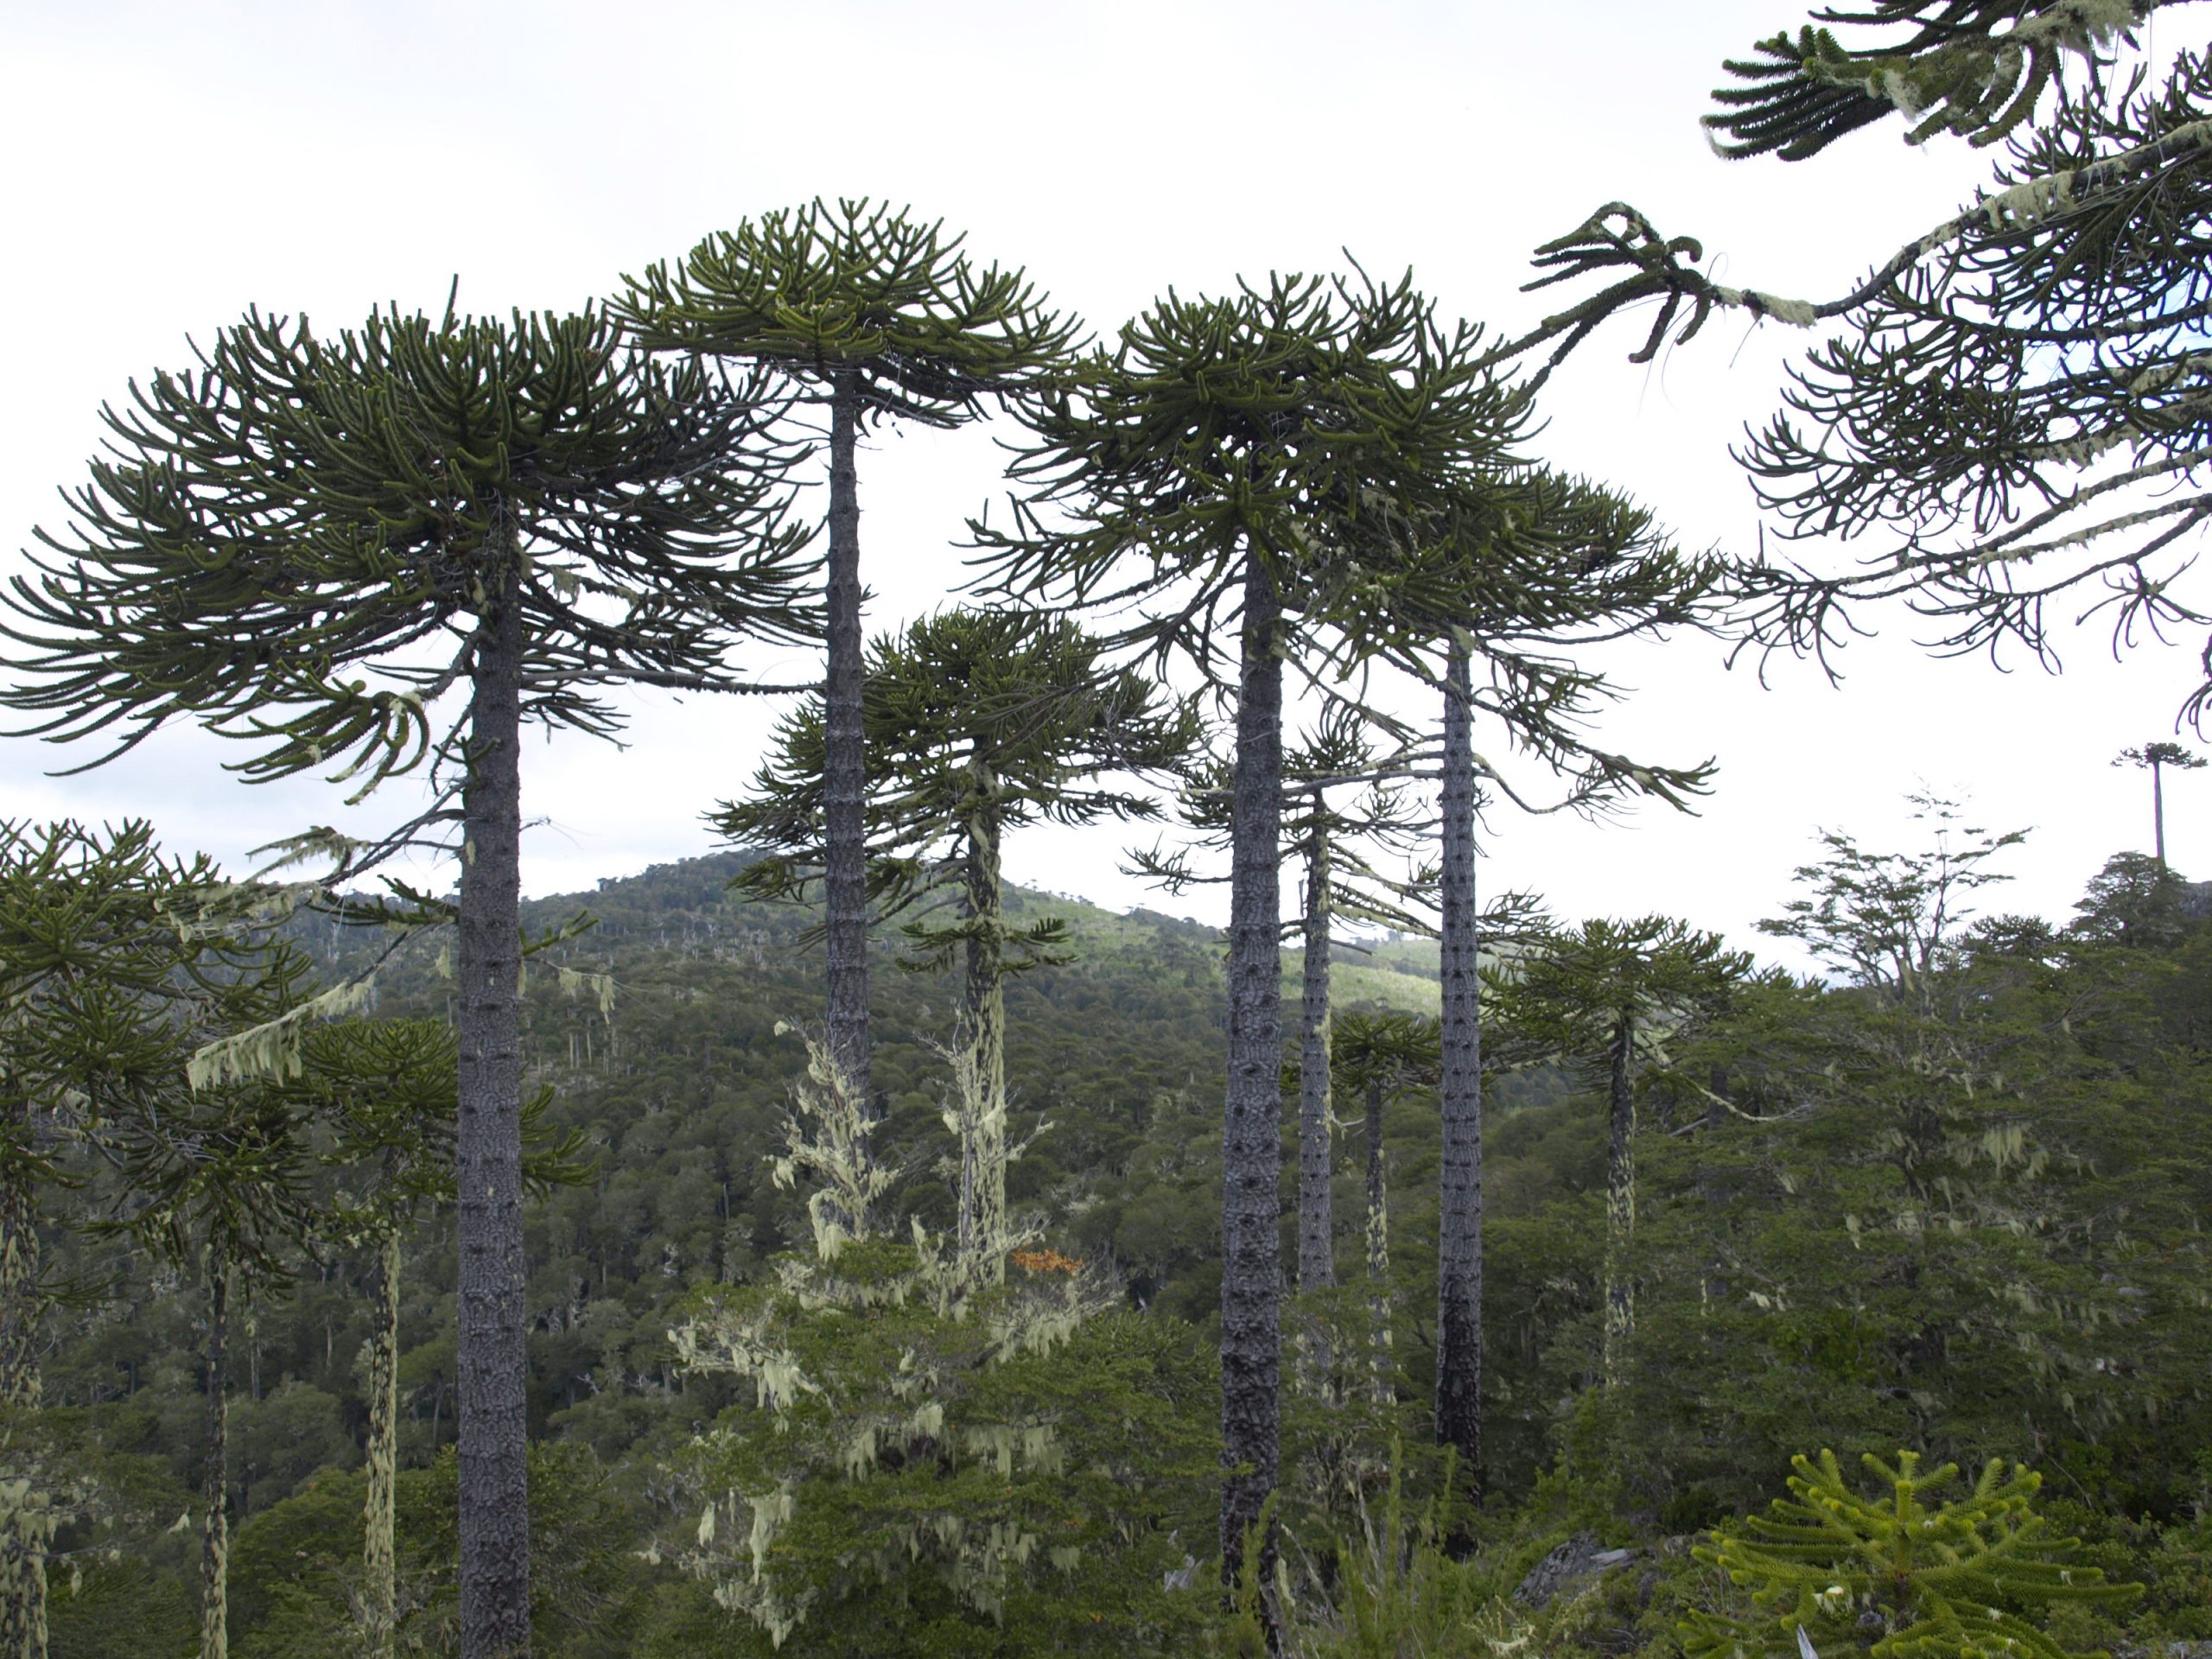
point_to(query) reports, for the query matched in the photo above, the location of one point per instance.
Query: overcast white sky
(170, 165)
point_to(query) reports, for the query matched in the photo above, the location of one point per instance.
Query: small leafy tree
(1894, 1576)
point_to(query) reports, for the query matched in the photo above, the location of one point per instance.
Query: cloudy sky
(169, 166)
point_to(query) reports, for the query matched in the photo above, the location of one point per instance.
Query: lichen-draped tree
(307, 543)
(1523, 568)
(217, 1179)
(2012, 407)
(1604, 998)
(875, 318)
(92, 962)
(975, 723)
(1383, 1057)
(1245, 452)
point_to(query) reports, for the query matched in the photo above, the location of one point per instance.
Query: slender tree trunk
(380, 1591)
(1459, 1220)
(1710, 1186)
(1620, 1200)
(1317, 1267)
(1378, 1249)
(983, 1016)
(1251, 1279)
(844, 780)
(215, 1470)
(26, 1517)
(492, 1363)
(2159, 815)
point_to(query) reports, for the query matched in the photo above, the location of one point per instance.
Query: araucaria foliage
(1895, 1576)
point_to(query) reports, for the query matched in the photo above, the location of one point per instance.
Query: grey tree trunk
(984, 1152)
(843, 781)
(1251, 1279)
(379, 1569)
(1317, 1268)
(215, 1472)
(1620, 1200)
(1459, 1220)
(1378, 1251)
(2158, 814)
(25, 1515)
(491, 1361)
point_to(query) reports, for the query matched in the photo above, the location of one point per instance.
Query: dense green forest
(1963, 1216)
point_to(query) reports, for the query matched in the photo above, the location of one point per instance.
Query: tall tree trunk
(1378, 1249)
(983, 1155)
(1251, 1279)
(26, 1517)
(844, 780)
(215, 1470)
(1459, 1219)
(2159, 815)
(379, 1568)
(1620, 1200)
(491, 1361)
(1317, 1268)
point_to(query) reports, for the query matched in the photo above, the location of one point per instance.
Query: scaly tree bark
(882, 318)
(1459, 1212)
(559, 516)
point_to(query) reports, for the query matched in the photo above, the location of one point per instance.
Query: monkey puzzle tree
(1520, 567)
(526, 513)
(880, 319)
(1607, 995)
(975, 723)
(2014, 404)
(2155, 758)
(92, 965)
(1245, 453)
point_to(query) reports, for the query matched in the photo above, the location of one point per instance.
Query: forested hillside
(1965, 1217)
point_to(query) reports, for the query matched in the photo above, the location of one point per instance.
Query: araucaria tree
(977, 723)
(306, 543)
(2156, 758)
(1604, 997)
(874, 318)
(94, 966)
(1519, 570)
(1239, 458)
(2013, 407)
